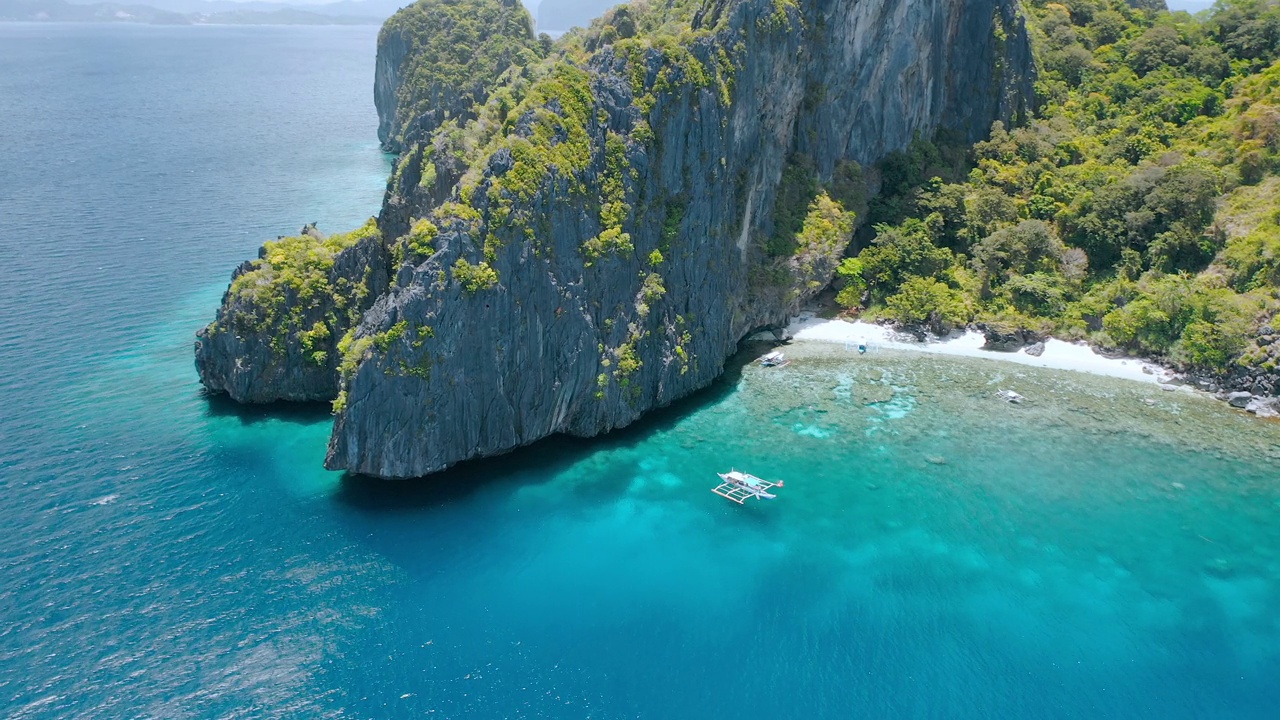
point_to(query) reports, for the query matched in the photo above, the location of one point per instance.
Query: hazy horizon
(1188, 5)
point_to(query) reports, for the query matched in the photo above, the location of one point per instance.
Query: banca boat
(740, 487)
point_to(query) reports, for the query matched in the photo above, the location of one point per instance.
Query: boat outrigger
(739, 487)
(775, 359)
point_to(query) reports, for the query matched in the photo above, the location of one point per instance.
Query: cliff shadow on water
(218, 405)
(540, 461)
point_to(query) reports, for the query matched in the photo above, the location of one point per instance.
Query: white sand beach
(1057, 353)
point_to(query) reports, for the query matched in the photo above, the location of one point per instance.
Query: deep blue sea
(1105, 550)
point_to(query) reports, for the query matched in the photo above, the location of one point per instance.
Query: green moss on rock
(293, 280)
(474, 278)
(453, 52)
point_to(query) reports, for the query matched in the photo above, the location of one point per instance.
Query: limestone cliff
(276, 334)
(595, 239)
(615, 238)
(438, 58)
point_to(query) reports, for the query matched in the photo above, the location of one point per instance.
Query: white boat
(1010, 396)
(739, 487)
(774, 359)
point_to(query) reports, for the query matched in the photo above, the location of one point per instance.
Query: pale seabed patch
(1100, 540)
(914, 488)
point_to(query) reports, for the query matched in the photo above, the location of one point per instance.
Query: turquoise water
(1105, 550)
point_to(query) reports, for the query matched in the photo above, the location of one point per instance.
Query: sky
(531, 4)
(1191, 6)
(1188, 5)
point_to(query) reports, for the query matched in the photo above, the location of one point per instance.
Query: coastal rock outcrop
(595, 240)
(437, 59)
(1257, 372)
(277, 331)
(1265, 406)
(1005, 339)
(1268, 407)
(607, 254)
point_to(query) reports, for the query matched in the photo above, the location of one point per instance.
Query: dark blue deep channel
(1101, 552)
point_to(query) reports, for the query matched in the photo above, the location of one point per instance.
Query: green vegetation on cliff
(1138, 209)
(543, 121)
(616, 191)
(455, 51)
(290, 283)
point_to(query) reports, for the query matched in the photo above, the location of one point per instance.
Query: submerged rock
(1263, 407)
(1220, 568)
(1239, 399)
(874, 393)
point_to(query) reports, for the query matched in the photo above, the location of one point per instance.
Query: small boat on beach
(774, 359)
(740, 487)
(1010, 396)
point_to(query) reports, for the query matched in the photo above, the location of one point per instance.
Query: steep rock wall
(393, 48)
(607, 250)
(438, 58)
(277, 331)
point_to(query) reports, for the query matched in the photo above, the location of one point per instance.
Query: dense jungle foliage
(1140, 209)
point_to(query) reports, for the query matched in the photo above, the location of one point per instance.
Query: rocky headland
(586, 232)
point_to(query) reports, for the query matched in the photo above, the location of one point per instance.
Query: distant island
(553, 16)
(556, 17)
(199, 12)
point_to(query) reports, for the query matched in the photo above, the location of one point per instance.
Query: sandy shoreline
(1058, 354)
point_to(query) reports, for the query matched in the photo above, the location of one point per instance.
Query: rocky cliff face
(598, 238)
(276, 334)
(609, 253)
(438, 58)
(393, 48)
